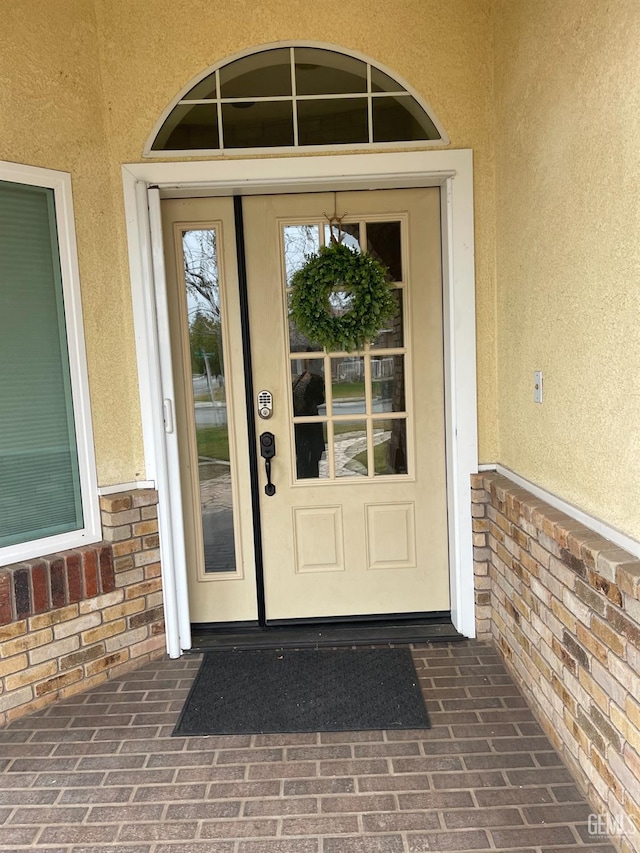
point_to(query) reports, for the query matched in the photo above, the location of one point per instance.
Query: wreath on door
(336, 268)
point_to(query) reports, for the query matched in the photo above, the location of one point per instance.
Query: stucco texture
(84, 82)
(53, 116)
(150, 49)
(567, 86)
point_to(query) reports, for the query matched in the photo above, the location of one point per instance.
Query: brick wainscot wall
(562, 604)
(68, 621)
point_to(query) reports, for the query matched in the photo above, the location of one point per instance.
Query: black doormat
(303, 690)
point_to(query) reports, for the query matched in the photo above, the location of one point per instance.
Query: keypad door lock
(265, 404)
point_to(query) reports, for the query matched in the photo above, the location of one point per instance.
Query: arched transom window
(295, 97)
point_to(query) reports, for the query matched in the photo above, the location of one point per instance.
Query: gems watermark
(605, 826)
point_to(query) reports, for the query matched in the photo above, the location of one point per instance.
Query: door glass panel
(390, 447)
(262, 75)
(348, 386)
(311, 451)
(350, 448)
(384, 243)
(393, 333)
(300, 241)
(324, 72)
(307, 384)
(257, 124)
(189, 127)
(333, 122)
(201, 274)
(372, 375)
(349, 234)
(387, 383)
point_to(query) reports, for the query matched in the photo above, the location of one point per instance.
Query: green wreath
(336, 267)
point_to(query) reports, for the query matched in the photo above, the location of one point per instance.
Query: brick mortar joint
(597, 554)
(42, 585)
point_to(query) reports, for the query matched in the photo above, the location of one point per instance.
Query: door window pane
(390, 447)
(333, 122)
(349, 233)
(300, 241)
(257, 124)
(387, 382)
(307, 387)
(311, 451)
(364, 385)
(261, 75)
(350, 448)
(39, 472)
(325, 72)
(201, 275)
(348, 386)
(393, 333)
(384, 243)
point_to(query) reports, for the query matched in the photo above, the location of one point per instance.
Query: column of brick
(137, 567)
(481, 554)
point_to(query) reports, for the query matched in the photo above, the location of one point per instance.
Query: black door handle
(268, 451)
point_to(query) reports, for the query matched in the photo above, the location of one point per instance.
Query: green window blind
(39, 477)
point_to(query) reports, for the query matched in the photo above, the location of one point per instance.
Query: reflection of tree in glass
(201, 276)
(300, 241)
(204, 339)
(201, 272)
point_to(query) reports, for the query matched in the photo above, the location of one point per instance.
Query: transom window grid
(378, 91)
(331, 421)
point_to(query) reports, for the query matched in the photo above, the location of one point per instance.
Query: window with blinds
(40, 478)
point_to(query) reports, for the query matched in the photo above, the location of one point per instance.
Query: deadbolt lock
(265, 404)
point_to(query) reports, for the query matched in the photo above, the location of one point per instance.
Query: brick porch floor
(101, 772)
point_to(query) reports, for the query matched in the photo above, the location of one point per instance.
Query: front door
(357, 525)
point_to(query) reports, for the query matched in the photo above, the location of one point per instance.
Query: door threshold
(208, 638)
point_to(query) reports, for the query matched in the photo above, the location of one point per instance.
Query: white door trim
(452, 170)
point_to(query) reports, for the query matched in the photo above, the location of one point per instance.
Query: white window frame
(143, 184)
(60, 183)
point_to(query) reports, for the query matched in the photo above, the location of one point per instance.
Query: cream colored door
(210, 408)
(358, 523)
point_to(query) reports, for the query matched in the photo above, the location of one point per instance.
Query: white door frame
(144, 183)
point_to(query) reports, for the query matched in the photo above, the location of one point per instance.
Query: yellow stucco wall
(84, 81)
(546, 93)
(52, 115)
(441, 47)
(567, 86)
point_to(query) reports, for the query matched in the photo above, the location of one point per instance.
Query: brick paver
(101, 772)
